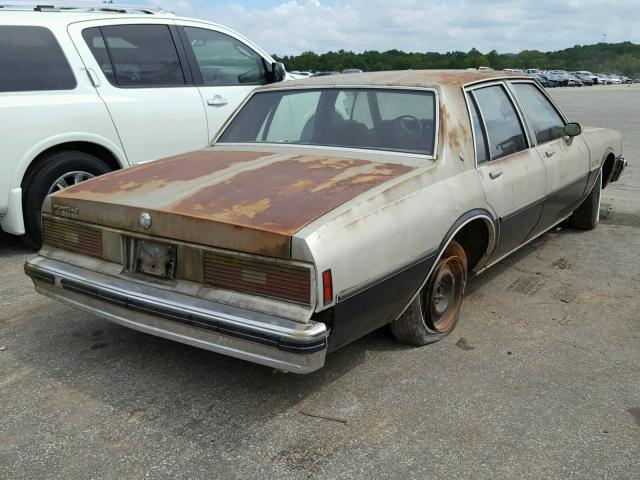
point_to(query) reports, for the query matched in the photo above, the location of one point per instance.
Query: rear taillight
(254, 275)
(73, 237)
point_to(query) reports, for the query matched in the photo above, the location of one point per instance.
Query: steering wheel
(405, 122)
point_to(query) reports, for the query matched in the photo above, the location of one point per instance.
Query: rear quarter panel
(390, 230)
(601, 142)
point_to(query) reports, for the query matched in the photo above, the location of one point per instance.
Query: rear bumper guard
(264, 339)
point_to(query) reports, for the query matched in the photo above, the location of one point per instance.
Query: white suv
(84, 91)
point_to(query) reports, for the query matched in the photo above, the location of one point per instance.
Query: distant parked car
(577, 82)
(558, 79)
(543, 80)
(351, 70)
(564, 79)
(615, 80)
(297, 74)
(603, 79)
(325, 74)
(531, 71)
(586, 80)
(587, 73)
(88, 90)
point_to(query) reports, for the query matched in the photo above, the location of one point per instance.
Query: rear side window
(546, 121)
(136, 55)
(31, 60)
(504, 130)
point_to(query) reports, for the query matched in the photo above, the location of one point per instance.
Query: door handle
(549, 153)
(495, 174)
(217, 101)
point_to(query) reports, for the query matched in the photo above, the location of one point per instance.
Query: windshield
(379, 119)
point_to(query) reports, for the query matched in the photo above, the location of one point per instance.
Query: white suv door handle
(495, 174)
(549, 153)
(217, 101)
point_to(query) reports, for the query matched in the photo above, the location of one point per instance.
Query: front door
(138, 73)
(513, 175)
(566, 160)
(225, 69)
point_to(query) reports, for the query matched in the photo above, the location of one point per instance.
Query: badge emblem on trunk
(145, 220)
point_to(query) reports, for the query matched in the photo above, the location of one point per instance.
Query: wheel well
(474, 238)
(607, 169)
(91, 148)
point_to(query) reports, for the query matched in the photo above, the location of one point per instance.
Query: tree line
(619, 58)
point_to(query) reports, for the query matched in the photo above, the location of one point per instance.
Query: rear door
(566, 160)
(226, 69)
(140, 72)
(513, 175)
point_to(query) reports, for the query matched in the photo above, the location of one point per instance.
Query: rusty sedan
(325, 209)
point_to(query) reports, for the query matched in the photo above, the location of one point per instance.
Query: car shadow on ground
(11, 245)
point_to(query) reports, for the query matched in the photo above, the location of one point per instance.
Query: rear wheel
(53, 173)
(587, 216)
(434, 312)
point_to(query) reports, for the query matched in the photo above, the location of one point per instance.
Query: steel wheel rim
(444, 296)
(69, 179)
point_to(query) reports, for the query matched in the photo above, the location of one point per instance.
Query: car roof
(400, 78)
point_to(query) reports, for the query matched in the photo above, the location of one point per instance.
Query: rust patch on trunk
(162, 172)
(285, 196)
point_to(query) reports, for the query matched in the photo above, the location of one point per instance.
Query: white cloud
(180, 7)
(424, 25)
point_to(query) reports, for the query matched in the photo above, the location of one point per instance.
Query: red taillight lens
(259, 276)
(327, 286)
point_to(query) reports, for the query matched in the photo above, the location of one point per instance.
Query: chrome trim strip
(259, 338)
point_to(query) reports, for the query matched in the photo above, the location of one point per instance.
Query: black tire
(423, 323)
(40, 180)
(587, 216)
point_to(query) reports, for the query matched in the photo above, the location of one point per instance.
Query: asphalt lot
(541, 379)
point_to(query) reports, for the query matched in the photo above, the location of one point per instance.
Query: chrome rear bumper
(256, 337)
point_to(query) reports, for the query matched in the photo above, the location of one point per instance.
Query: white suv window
(223, 60)
(27, 50)
(136, 55)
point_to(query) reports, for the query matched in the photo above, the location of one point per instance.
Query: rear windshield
(379, 119)
(32, 60)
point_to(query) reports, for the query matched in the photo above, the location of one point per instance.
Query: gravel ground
(539, 380)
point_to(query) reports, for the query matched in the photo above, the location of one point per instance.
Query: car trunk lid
(250, 201)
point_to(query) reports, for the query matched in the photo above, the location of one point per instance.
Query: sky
(293, 26)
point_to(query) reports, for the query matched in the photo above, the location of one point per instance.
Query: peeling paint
(248, 201)
(160, 173)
